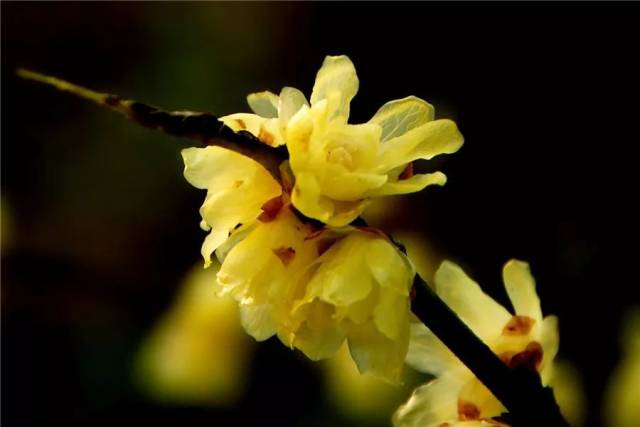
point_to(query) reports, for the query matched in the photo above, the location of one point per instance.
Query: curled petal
(410, 185)
(290, 102)
(423, 142)
(399, 116)
(264, 104)
(336, 76)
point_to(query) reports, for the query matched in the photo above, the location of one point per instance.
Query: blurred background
(100, 233)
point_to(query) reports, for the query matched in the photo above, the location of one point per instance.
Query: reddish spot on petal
(467, 411)
(285, 254)
(315, 233)
(406, 173)
(518, 325)
(241, 124)
(237, 183)
(271, 209)
(530, 358)
(266, 136)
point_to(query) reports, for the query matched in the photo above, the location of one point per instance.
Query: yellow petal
(258, 321)
(337, 75)
(423, 142)
(266, 130)
(389, 267)
(427, 353)
(237, 187)
(291, 100)
(401, 115)
(550, 342)
(391, 315)
(478, 310)
(264, 104)
(521, 288)
(410, 185)
(319, 336)
(376, 354)
(430, 405)
(340, 282)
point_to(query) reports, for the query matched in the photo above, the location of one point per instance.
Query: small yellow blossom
(317, 288)
(337, 166)
(524, 339)
(197, 353)
(237, 188)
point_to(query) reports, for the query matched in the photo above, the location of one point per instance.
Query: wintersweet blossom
(313, 287)
(338, 166)
(456, 397)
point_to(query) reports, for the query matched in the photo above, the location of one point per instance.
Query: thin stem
(203, 127)
(519, 389)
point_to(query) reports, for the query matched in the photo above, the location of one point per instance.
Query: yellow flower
(526, 338)
(338, 167)
(317, 288)
(197, 352)
(237, 188)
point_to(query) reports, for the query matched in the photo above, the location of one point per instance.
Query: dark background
(99, 225)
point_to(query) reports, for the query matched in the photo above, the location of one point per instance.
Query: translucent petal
(391, 315)
(343, 283)
(376, 354)
(430, 405)
(264, 104)
(237, 187)
(389, 267)
(423, 142)
(319, 337)
(410, 185)
(550, 342)
(427, 353)
(521, 288)
(337, 75)
(342, 185)
(401, 115)
(476, 393)
(478, 310)
(258, 321)
(291, 100)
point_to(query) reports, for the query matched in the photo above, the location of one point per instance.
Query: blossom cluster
(291, 253)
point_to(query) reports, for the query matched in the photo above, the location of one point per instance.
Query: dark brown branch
(203, 127)
(519, 389)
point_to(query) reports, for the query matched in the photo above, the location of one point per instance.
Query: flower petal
(266, 130)
(401, 115)
(550, 342)
(430, 405)
(258, 321)
(337, 75)
(427, 353)
(264, 104)
(478, 310)
(423, 142)
(291, 100)
(375, 353)
(410, 185)
(237, 187)
(521, 288)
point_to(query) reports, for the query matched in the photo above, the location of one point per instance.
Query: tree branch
(203, 127)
